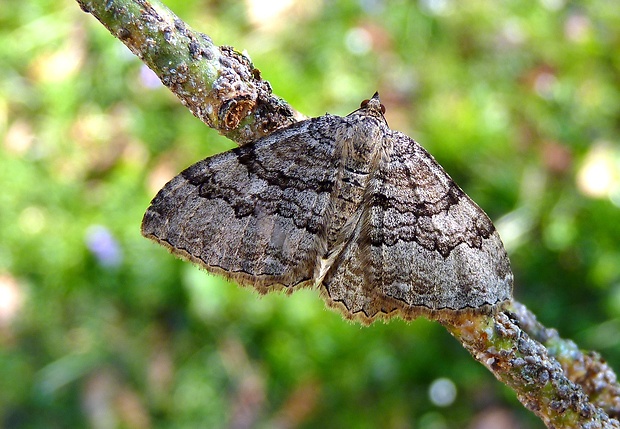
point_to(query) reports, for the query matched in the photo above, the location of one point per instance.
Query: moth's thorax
(361, 137)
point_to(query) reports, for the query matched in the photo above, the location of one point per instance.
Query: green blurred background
(100, 328)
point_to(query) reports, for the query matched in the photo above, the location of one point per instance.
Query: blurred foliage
(520, 102)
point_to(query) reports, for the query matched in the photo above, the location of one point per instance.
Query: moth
(343, 204)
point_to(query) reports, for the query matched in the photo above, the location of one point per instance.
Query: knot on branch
(239, 86)
(233, 111)
(242, 93)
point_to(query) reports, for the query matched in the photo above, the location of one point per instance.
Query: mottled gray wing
(421, 247)
(256, 213)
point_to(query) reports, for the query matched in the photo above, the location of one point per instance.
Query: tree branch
(551, 376)
(561, 385)
(218, 85)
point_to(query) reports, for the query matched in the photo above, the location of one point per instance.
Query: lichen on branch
(542, 384)
(217, 84)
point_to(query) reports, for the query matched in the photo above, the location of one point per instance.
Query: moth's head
(372, 107)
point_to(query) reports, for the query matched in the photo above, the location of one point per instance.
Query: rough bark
(219, 85)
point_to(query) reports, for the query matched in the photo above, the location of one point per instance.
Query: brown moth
(346, 204)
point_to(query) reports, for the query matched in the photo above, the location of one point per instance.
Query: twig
(563, 386)
(588, 370)
(557, 393)
(217, 84)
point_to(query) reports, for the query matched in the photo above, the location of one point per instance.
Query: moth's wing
(421, 247)
(256, 213)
